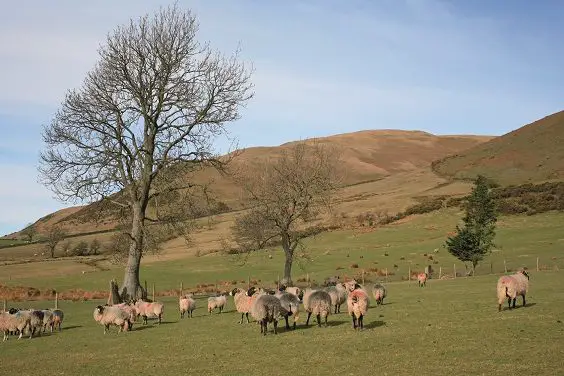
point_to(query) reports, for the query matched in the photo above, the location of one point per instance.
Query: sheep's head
(282, 288)
(301, 295)
(351, 285)
(524, 272)
(236, 290)
(251, 291)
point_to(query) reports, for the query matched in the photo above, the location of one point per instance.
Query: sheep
(36, 322)
(357, 303)
(338, 295)
(216, 302)
(318, 303)
(47, 320)
(186, 304)
(512, 286)
(58, 317)
(111, 315)
(379, 292)
(149, 309)
(243, 301)
(267, 308)
(130, 310)
(291, 305)
(422, 279)
(15, 322)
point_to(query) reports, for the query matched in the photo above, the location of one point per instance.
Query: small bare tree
(29, 232)
(285, 195)
(155, 101)
(94, 246)
(54, 236)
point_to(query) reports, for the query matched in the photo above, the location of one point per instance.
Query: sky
(321, 67)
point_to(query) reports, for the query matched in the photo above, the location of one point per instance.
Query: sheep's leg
(308, 316)
(514, 301)
(181, 314)
(106, 327)
(276, 326)
(361, 321)
(354, 321)
(160, 318)
(241, 321)
(247, 316)
(319, 320)
(509, 303)
(326, 320)
(287, 324)
(523, 300)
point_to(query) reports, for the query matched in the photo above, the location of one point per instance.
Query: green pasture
(449, 327)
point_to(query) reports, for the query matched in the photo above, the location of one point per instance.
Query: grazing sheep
(243, 301)
(357, 303)
(149, 310)
(318, 303)
(36, 322)
(379, 293)
(15, 322)
(267, 308)
(216, 302)
(422, 279)
(47, 320)
(130, 310)
(338, 295)
(291, 305)
(186, 304)
(292, 290)
(58, 317)
(111, 315)
(512, 286)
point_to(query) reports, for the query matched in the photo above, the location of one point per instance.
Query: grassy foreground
(449, 327)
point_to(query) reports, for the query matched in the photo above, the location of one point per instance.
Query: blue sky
(321, 67)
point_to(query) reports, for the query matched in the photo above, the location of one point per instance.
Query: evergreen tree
(474, 239)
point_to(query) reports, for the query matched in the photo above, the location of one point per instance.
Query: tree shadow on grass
(68, 328)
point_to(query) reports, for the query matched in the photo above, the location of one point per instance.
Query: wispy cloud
(322, 67)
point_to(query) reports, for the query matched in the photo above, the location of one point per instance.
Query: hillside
(367, 156)
(532, 153)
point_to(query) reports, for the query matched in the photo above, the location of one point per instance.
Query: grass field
(521, 239)
(449, 327)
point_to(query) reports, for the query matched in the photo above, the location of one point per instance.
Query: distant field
(521, 239)
(449, 327)
(10, 242)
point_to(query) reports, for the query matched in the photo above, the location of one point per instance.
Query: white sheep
(111, 315)
(379, 293)
(512, 286)
(357, 303)
(267, 308)
(338, 295)
(318, 303)
(16, 322)
(216, 302)
(149, 310)
(291, 305)
(186, 304)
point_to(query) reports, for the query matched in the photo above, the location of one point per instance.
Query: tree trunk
(52, 250)
(131, 287)
(289, 252)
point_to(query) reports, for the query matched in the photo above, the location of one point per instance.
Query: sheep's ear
(356, 286)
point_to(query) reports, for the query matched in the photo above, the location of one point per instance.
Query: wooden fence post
(56, 300)
(454, 267)
(278, 283)
(363, 277)
(5, 305)
(409, 274)
(537, 264)
(153, 291)
(440, 271)
(248, 282)
(491, 267)
(181, 288)
(505, 266)
(386, 275)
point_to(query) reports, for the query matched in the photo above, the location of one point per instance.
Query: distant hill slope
(532, 153)
(366, 156)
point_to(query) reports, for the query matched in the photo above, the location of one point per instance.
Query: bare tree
(94, 246)
(54, 236)
(156, 100)
(285, 195)
(29, 232)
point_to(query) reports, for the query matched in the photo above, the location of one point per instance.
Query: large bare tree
(156, 100)
(285, 194)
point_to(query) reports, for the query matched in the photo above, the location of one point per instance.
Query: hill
(532, 153)
(367, 156)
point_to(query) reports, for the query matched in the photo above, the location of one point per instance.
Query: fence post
(153, 291)
(537, 264)
(363, 277)
(440, 271)
(409, 274)
(248, 282)
(56, 300)
(505, 266)
(491, 267)
(181, 288)
(386, 275)
(278, 283)
(5, 305)
(454, 267)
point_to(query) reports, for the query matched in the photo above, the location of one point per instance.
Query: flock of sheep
(17, 321)
(265, 306)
